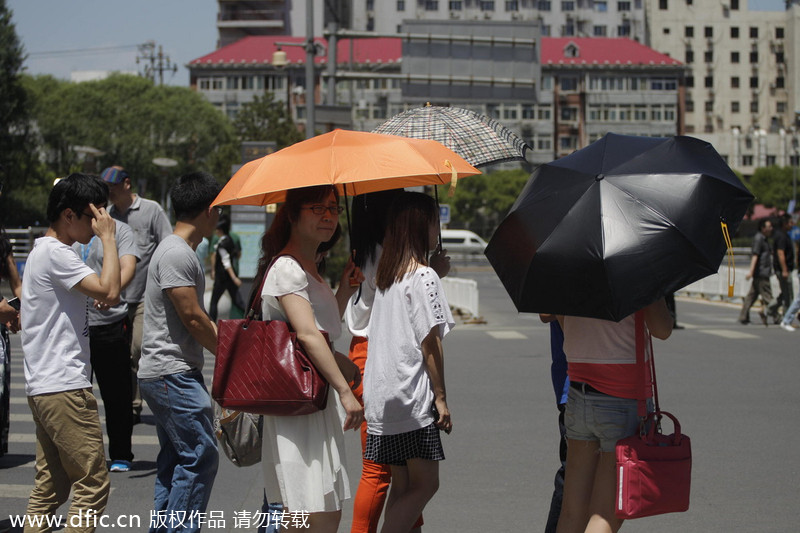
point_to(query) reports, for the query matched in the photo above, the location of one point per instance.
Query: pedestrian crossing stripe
(23, 492)
(506, 335)
(136, 440)
(729, 333)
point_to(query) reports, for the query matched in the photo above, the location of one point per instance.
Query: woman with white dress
(303, 456)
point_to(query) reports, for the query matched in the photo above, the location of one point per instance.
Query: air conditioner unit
(487, 14)
(710, 42)
(772, 87)
(516, 15)
(455, 14)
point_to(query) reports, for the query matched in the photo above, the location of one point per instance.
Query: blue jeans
(788, 317)
(188, 459)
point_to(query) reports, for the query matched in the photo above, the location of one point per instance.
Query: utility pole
(155, 61)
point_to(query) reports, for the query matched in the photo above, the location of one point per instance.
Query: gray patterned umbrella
(477, 138)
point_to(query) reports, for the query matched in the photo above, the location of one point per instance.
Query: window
(599, 31)
(669, 113)
(512, 5)
(780, 107)
(544, 144)
(623, 6)
(624, 30)
(735, 108)
(708, 56)
(547, 82)
(709, 106)
(568, 142)
(780, 82)
(493, 111)
(735, 5)
(455, 5)
(771, 159)
(544, 5)
(655, 113)
(708, 32)
(544, 112)
(708, 82)
(568, 83)
(747, 160)
(663, 84)
(690, 81)
(666, 31)
(779, 58)
(431, 5)
(569, 114)
(754, 82)
(510, 112)
(689, 57)
(663, 5)
(734, 82)
(370, 5)
(688, 31)
(754, 32)
(527, 112)
(779, 32)
(568, 6)
(233, 83)
(754, 106)
(640, 113)
(546, 29)
(370, 23)
(401, 5)
(601, 6)
(734, 32)
(487, 5)
(568, 29)
(690, 106)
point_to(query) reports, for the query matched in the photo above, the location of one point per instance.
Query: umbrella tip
(427, 104)
(599, 177)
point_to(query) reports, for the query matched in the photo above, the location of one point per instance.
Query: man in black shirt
(783, 261)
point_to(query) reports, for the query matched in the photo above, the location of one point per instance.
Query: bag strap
(644, 368)
(255, 307)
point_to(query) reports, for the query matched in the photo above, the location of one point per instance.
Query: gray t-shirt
(763, 250)
(167, 346)
(92, 255)
(150, 225)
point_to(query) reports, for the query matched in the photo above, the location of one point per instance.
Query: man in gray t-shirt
(760, 272)
(110, 347)
(176, 329)
(150, 225)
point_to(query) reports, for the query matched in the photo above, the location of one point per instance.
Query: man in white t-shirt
(56, 289)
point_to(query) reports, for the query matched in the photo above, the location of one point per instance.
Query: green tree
(18, 161)
(131, 121)
(481, 202)
(772, 186)
(265, 119)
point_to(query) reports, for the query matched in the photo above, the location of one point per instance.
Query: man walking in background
(150, 225)
(783, 262)
(760, 272)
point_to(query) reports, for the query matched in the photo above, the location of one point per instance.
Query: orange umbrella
(364, 162)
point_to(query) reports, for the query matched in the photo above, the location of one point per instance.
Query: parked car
(461, 241)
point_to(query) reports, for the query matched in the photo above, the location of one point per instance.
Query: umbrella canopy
(477, 138)
(364, 162)
(617, 225)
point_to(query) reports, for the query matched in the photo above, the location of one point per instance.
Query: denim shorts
(592, 416)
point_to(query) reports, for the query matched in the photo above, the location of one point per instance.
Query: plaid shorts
(396, 449)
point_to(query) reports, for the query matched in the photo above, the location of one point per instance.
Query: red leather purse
(654, 471)
(261, 368)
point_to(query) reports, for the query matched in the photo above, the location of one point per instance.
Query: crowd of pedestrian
(115, 292)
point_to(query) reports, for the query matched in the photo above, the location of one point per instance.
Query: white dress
(303, 457)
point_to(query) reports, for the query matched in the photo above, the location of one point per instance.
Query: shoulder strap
(644, 367)
(255, 307)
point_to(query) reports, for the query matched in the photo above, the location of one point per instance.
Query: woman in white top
(404, 391)
(303, 456)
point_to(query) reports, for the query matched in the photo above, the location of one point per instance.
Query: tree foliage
(131, 121)
(772, 186)
(265, 119)
(481, 202)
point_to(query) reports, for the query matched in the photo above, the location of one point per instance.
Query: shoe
(677, 326)
(788, 327)
(763, 317)
(744, 322)
(119, 466)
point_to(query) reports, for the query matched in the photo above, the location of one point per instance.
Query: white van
(461, 241)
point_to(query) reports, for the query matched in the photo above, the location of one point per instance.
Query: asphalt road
(731, 386)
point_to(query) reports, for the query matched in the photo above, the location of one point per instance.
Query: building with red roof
(587, 87)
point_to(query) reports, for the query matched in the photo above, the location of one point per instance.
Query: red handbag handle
(656, 416)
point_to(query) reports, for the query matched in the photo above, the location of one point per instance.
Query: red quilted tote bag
(261, 368)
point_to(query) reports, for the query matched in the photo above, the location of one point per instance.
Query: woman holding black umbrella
(601, 409)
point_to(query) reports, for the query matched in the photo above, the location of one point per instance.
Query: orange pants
(375, 477)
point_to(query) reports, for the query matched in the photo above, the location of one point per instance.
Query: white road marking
(729, 333)
(506, 335)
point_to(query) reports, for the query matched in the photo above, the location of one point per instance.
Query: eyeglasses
(320, 209)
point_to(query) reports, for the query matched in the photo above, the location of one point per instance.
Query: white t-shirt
(55, 326)
(398, 395)
(359, 308)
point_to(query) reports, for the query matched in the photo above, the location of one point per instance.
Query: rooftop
(600, 51)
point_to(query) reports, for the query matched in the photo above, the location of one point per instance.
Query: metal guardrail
(462, 294)
(22, 240)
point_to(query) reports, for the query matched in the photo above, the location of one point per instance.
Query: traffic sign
(444, 214)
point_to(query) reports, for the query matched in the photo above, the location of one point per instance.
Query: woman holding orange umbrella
(303, 456)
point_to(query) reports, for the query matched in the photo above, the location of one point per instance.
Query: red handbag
(261, 368)
(654, 471)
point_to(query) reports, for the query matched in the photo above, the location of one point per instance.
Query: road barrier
(715, 286)
(462, 294)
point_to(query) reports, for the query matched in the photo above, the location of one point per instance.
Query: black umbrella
(617, 225)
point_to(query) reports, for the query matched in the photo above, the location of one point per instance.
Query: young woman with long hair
(404, 390)
(303, 456)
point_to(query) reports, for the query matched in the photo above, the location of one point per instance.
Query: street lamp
(164, 163)
(279, 61)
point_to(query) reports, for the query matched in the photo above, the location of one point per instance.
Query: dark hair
(276, 237)
(224, 224)
(763, 222)
(370, 214)
(75, 192)
(192, 194)
(783, 220)
(406, 240)
(326, 247)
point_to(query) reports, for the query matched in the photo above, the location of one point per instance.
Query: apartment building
(743, 90)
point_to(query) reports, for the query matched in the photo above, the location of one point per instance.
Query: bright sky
(185, 28)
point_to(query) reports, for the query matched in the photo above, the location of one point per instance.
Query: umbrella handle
(731, 270)
(453, 177)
